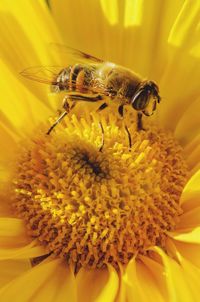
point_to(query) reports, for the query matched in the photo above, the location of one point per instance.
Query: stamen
(94, 208)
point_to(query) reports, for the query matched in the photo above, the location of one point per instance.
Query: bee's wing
(49, 74)
(74, 55)
(42, 74)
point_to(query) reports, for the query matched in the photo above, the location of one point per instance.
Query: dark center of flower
(94, 208)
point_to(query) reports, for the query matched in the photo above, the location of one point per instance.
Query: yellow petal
(190, 273)
(14, 243)
(5, 210)
(25, 46)
(182, 42)
(192, 236)
(140, 283)
(21, 111)
(60, 284)
(34, 30)
(10, 269)
(177, 283)
(50, 281)
(157, 271)
(193, 160)
(167, 15)
(6, 152)
(190, 219)
(187, 21)
(121, 297)
(192, 277)
(104, 285)
(12, 233)
(128, 30)
(189, 251)
(191, 191)
(66, 15)
(191, 201)
(188, 127)
(191, 150)
(29, 251)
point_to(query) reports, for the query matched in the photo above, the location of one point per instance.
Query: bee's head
(146, 97)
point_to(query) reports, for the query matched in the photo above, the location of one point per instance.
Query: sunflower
(77, 224)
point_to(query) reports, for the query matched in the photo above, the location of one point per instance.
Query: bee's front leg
(139, 122)
(121, 113)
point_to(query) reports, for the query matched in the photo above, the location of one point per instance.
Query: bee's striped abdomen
(80, 78)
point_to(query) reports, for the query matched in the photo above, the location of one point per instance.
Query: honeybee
(91, 79)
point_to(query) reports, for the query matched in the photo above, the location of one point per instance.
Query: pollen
(93, 208)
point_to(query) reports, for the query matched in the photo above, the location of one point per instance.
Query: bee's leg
(57, 121)
(84, 97)
(121, 110)
(67, 108)
(139, 122)
(66, 105)
(102, 107)
(102, 137)
(121, 113)
(129, 136)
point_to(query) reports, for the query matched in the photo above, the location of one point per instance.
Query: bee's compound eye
(140, 100)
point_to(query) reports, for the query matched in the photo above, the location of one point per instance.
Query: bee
(90, 79)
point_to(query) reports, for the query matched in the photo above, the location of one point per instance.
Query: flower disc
(92, 207)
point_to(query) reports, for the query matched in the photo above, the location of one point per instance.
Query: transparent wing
(73, 54)
(42, 74)
(49, 74)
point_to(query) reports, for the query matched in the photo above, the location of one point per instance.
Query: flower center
(94, 208)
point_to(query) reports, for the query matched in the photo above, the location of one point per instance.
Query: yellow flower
(77, 224)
